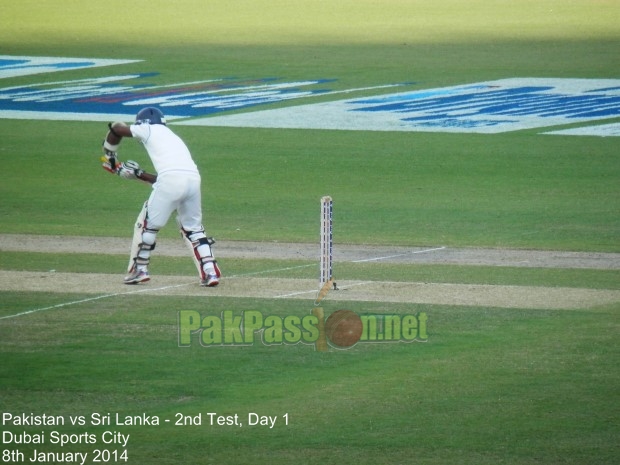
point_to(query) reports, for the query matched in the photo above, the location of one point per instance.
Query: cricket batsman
(176, 188)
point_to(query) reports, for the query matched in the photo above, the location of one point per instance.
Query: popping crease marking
(399, 255)
(145, 290)
(90, 299)
(137, 291)
(348, 286)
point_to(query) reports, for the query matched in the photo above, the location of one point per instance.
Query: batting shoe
(137, 277)
(211, 280)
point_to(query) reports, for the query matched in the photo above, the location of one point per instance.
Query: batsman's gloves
(110, 161)
(110, 158)
(129, 170)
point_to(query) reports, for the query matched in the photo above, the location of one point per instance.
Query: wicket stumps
(326, 240)
(325, 271)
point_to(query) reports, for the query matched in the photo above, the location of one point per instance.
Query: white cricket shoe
(211, 280)
(137, 277)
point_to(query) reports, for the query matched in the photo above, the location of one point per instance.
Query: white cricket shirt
(167, 151)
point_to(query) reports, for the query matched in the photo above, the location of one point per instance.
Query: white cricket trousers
(176, 191)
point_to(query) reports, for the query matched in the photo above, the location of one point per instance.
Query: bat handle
(321, 343)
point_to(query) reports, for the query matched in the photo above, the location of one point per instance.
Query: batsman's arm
(111, 143)
(129, 170)
(147, 177)
(116, 133)
(113, 138)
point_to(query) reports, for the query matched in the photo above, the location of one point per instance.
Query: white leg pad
(200, 245)
(143, 241)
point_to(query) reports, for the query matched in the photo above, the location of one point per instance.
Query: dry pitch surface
(262, 285)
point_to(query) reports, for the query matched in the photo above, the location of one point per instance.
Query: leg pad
(200, 245)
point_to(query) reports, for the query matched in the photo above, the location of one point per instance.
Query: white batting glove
(129, 170)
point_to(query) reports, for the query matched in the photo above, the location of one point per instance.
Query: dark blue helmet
(150, 115)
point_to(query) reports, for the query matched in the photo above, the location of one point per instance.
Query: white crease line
(139, 291)
(399, 255)
(344, 288)
(244, 275)
(90, 299)
(284, 296)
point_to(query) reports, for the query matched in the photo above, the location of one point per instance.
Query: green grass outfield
(490, 385)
